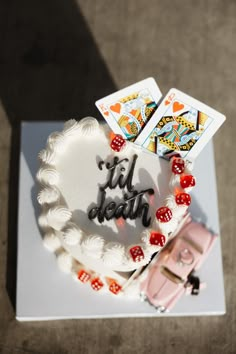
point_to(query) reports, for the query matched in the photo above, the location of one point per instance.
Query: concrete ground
(56, 58)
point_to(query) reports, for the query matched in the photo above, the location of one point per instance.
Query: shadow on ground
(50, 69)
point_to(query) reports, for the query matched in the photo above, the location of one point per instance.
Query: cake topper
(132, 205)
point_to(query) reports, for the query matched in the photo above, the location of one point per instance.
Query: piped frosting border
(56, 219)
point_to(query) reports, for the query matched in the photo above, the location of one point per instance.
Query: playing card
(181, 125)
(128, 110)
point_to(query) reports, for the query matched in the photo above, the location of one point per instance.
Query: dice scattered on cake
(104, 210)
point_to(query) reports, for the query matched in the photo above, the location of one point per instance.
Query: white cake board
(45, 293)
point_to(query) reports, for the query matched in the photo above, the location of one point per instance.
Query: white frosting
(42, 220)
(47, 156)
(65, 262)
(189, 165)
(168, 227)
(145, 236)
(174, 182)
(51, 241)
(148, 252)
(72, 235)
(48, 175)
(56, 142)
(48, 195)
(113, 254)
(93, 246)
(188, 189)
(69, 162)
(178, 211)
(58, 216)
(170, 202)
(71, 128)
(89, 127)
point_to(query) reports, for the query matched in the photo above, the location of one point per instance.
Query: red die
(164, 214)
(183, 199)
(97, 284)
(187, 181)
(178, 166)
(114, 287)
(83, 275)
(157, 239)
(136, 253)
(118, 143)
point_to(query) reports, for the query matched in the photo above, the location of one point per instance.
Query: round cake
(106, 203)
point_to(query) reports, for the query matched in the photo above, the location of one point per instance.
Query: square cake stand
(45, 293)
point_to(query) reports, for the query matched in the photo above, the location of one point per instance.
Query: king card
(128, 110)
(180, 126)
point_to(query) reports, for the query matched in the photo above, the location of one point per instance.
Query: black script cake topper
(132, 206)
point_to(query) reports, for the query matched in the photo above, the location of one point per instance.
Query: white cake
(99, 206)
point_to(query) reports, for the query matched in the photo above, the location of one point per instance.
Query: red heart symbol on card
(106, 113)
(116, 107)
(177, 106)
(167, 102)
